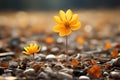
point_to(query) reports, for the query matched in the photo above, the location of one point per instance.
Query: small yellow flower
(31, 49)
(66, 22)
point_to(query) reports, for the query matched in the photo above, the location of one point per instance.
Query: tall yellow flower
(66, 22)
(31, 49)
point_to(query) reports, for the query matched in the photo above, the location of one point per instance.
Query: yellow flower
(66, 22)
(31, 49)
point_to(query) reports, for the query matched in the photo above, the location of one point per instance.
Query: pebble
(105, 73)
(7, 54)
(14, 42)
(84, 78)
(60, 40)
(1, 70)
(50, 72)
(43, 76)
(58, 66)
(13, 64)
(115, 74)
(62, 56)
(51, 57)
(67, 70)
(71, 52)
(116, 62)
(55, 50)
(44, 48)
(64, 76)
(8, 78)
(18, 71)
(78, 56)
(39, 57)
(29, 72)
(7, 71)
(78, 73)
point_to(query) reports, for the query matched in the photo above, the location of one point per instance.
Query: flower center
(67, 25)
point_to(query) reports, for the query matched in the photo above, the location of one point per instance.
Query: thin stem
(33, 56)
(66, 51)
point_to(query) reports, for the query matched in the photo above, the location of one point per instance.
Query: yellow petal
(31, 49)
(38, 49)
(76, 26)
(35, 46)
(31, 44)
(25, 52)
(62, 15)
(28, 49)
(57, 20)
(65, 32)
(74, 19)
(69, 14)
(57, 28)
(61, 34)
(68, 31)
(25, 48)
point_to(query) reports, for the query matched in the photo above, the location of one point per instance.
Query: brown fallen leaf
(74, 62)
(107, 46)
(80, 40)
(114, 53)
(107, 66)
(4, 64)
(49, 40)
(95, 71)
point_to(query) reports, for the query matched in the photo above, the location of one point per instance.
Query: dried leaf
(62, 60)
(92, 62)
(107, 66)
(74, 62)
(82, 58)
(49, 40)
(107, 46)
(88, 62)
(80, 40)
(117, 46)
(36, 67)
(114, 53)
(4, 64)
(95, 71)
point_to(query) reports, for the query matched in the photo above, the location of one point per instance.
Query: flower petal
(61, 34)
(65, 32)
(57, 28)
(31, 45)
(68, 31)
(35, 47)
(69, 14)
(38, 49)
(62, 15)
(26, 49)
(76, 26)
(57, 20)
(25, 52)
(74, 19)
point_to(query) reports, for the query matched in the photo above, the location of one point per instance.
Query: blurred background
(98, 17)
(57, 4)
